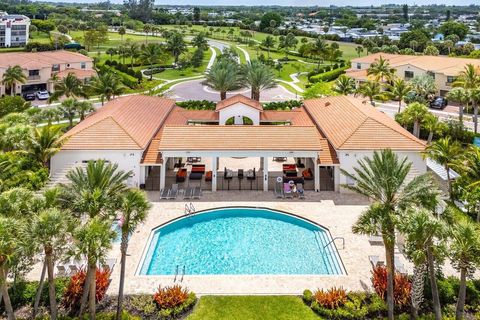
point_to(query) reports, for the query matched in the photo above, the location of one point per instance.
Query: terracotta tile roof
(30, 60)
(349, 124)
(125, 123)
(238, 98)
(359, 74)
(450, 66)
(79, 73)
(297, 117)
(328, 155)
(240, 138)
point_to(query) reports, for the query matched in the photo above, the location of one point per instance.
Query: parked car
(438, 103)
(29, 96)
(42, 95)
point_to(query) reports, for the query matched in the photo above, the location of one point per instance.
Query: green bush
(282, 105)
(197, 105)
(23, 292)
(307, 297)
(329, 75)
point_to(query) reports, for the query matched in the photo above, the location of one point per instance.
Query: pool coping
(148, 244)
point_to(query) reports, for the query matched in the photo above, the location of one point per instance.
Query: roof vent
(327, 103)
(364, 101)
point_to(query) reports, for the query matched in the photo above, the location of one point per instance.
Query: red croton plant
(331, 299)
(402, 289)
(74, 291)
(170, 297)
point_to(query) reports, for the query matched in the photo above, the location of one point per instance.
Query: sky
(296, 2)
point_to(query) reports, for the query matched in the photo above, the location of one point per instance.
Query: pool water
(241, 241)
(476, 141)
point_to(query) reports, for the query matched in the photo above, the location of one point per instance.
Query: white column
(261, 163)
(265, 173)
(316, 176)
(336, 178)
(214, 174)
(163, 169)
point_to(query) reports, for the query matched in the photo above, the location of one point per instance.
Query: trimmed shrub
(330, 299)
(197, 105)
(329, 75)
(24, 292)
(170, 297)
(282, 105)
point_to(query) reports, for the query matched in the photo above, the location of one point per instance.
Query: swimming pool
(476, 141)
(241, 241)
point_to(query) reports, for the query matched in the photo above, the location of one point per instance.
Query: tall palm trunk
(389, 256)
(51, 283)
(86, 290)
(416, 128)
(123, 259)
(223, 95)
(39, 290)
(6, 297)
(399, 106)
(475, 117)
(460, 113)
(433, 284)
(461, 294)
(417, 288)
(92, 293)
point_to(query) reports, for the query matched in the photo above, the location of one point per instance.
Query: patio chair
(173, 192)
(197, 193)
(287, 190)
(164, 193)
(73, 268)
(301, 191)
(278, 190)
(61, 271)
(188, 193)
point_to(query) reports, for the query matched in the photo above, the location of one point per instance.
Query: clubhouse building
(237, 146)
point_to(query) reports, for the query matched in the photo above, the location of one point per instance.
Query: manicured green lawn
(252, 307)
(173, 74)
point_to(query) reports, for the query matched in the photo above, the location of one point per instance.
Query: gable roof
(126, 123)
(450, 66)
(238, 98)
(349, 124)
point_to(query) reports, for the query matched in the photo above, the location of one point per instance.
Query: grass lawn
(252, 307)
(41, 37)
(115, 40)
(173, 74)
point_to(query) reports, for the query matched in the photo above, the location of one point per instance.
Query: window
(55, 67)
(83, 65)
(359, 66)
(431, 74)
(408, 74)
(450, 79)
(32, 73)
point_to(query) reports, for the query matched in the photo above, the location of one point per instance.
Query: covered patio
(242, 158)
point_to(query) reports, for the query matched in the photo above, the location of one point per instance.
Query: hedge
(328, 76)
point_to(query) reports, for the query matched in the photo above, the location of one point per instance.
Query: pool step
(331, 257)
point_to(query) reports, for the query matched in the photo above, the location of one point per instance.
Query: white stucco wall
(127, 160)
(239, 110)
(349, 160)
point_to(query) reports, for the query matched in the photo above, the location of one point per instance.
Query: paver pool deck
(337, 218)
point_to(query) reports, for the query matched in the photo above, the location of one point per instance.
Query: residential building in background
(443, 69)
(13, 30)
(41, 67)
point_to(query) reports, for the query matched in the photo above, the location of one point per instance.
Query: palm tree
(147, 28)
(69, 109)
(121, 32)
(70, 86)
(459, 95)
(424, 236)
(45, 142)
(223, 76)
(259, 77)
(111, 52)
(359, 50)
(133, 51)
(370, 89)
(176, 45)
(92, 241)
(416, 113)
(287, 42)
(465, 256)
(11, 240)
(12, 75)
(432, 124)
(107, 85)
(398, 90)
(320, 49)
(381, 70)
(424, 85)
(95, 192)
(51, 114)
(150, 55)
(268, 42)
(446, 152)
(134, 209)
(383, 179)
(50, 230)
(83, 108)
(469, 79)
(344, 85)
(200, 41)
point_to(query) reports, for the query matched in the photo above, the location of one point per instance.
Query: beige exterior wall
(45, 75)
